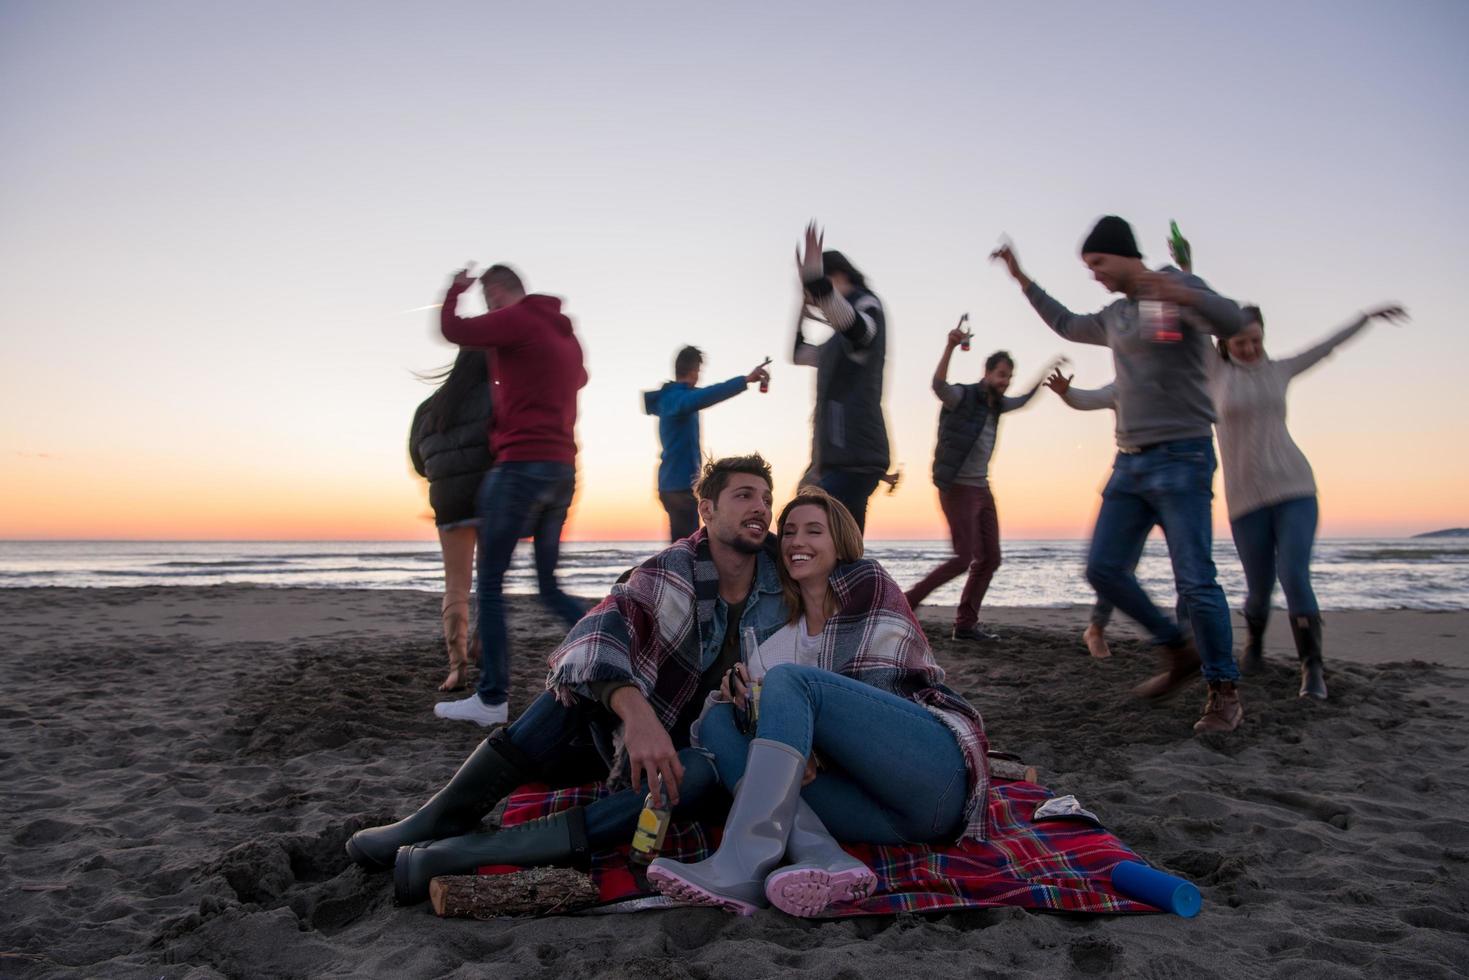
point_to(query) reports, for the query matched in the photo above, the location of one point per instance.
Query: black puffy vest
(849, 431)
(959, 428)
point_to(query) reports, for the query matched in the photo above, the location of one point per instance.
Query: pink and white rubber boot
(822, 874)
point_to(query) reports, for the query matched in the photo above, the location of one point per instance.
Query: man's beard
(739, 544)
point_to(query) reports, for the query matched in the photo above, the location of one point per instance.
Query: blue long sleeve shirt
(677, 405)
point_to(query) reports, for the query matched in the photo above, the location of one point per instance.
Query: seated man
(645, 658)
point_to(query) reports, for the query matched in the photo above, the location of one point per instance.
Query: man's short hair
(718, 471)
(502, 276)
(686, 360)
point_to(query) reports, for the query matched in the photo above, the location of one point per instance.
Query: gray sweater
(1162, 389)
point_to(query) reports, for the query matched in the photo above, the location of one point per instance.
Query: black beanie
(1112, 236)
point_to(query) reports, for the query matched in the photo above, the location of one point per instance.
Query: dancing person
(630, 678)
(536, 364)
(856, 737)
(969, 424)
(1089, 400)
(448, 446)
(1164, 469)
(1269, 488)
(849, 439)
(677, 405)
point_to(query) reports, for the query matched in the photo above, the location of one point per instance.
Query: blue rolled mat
(1166, 891)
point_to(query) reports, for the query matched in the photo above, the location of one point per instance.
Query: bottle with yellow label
(647, 840)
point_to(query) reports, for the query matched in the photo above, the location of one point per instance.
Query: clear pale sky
(214, 217)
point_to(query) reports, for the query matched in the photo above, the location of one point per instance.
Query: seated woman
(854, 709)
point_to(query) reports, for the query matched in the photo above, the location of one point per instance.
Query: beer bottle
(1178, 245)
(750, 654)
(647, 840)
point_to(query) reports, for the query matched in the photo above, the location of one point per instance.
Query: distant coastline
(1448, 532)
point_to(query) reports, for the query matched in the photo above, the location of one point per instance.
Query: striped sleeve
(859, 323)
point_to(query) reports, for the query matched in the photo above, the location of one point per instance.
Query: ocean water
(1396, 573)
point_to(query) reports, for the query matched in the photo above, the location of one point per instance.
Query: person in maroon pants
(968, 426)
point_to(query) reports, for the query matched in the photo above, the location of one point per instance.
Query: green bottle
(1178, 245)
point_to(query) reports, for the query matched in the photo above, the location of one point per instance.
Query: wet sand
(181, 766)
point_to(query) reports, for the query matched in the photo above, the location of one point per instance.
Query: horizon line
(657, 540)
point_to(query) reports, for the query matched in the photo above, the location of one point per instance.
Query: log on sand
(535, 891)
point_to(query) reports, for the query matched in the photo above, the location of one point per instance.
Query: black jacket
(453, 461)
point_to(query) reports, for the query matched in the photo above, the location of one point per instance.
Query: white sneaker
(475, 710)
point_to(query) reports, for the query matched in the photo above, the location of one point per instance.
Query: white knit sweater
(1262, 463)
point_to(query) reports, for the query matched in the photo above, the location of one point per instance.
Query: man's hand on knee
(651, 756)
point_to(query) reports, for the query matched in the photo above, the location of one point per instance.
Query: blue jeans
(852, 489)
(1277, 540)
(572, 744)
(1171, 485)
(892, 772)
(1102, 609)
(518, 500)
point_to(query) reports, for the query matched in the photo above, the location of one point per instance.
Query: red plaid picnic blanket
(1054, 865)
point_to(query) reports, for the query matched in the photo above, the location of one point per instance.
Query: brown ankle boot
(456, 641)
(1253, 659)
(1223, 711)
(1178, 665)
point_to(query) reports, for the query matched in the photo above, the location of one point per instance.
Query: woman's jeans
(518, 500)
(892, 772)
(1277, 540)
(1171, 485)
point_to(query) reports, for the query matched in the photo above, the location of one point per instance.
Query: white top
(788, 645)
(1262, 463)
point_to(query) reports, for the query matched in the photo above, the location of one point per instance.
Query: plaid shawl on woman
(875, 638)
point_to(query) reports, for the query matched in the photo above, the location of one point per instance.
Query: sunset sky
(220, 224)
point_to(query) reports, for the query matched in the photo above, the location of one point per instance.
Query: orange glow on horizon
(175, 504)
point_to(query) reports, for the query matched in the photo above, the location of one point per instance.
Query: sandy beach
(181, 767)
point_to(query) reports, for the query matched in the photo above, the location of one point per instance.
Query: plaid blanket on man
(875, 638)
(648, 630)
(1053, 865)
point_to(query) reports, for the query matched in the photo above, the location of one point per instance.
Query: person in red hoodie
(536, 370)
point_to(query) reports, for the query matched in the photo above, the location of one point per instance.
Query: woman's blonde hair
(845, 535)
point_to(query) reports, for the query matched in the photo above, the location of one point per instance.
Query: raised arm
(1312, 356)
(1083, 328)
(807, 355)
(1009, 403)
(857, 324)
(947, 393)
(684, 402)
(1082, 399)
(496, 328)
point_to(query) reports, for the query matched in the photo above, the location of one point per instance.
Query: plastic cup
(1157, 888)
